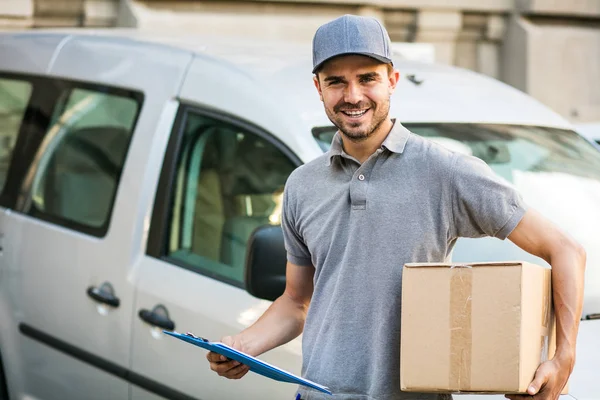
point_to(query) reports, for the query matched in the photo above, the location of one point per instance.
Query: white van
(590, 130)
(133, 174)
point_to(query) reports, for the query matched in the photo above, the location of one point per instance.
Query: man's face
(355, 91)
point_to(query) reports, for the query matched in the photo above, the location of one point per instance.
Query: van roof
(426, 92)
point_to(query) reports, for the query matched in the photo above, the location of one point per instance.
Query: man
(380, 198)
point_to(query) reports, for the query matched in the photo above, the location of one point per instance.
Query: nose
(352, 93)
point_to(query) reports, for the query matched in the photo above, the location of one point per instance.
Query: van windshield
(556, 171)
(510, 150)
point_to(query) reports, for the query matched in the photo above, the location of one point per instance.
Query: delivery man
(380, 198)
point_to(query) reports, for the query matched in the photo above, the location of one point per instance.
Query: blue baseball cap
(351, 34)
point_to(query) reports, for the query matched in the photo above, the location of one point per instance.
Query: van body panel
(210, 308)
(122, 63)
(18, 52)
(442, 94)
(46, 268)
(52, 336)
(232, 91)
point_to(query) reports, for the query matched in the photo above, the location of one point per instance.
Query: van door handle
(104, 294)
(159, 317)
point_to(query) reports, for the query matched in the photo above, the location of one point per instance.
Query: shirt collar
(394, 142)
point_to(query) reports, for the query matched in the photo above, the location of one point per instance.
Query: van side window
(228, 182)
(81, 158)
(14, 98)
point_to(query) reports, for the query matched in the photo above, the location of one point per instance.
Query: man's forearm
(568, 268)
(282, 322)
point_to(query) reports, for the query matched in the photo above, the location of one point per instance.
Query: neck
(363, 149)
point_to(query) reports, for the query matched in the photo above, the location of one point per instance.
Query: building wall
(27, 14)
(547, 48)
(557, 61)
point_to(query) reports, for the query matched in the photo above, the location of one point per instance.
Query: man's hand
(550, 379)
(282, 322)
(225, 367)
(540, 237)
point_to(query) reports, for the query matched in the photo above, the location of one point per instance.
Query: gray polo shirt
(358, 225)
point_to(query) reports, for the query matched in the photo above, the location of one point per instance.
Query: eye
(366, 79)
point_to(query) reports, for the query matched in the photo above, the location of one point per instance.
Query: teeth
(355, 113)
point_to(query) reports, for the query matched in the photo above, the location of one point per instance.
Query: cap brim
(384, 60)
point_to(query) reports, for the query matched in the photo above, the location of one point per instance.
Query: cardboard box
(480, 327)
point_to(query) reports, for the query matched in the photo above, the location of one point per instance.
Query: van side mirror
(266, 261)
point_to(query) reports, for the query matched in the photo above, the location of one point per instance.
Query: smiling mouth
(354, 113)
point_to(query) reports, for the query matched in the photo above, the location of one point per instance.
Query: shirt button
(361, 177)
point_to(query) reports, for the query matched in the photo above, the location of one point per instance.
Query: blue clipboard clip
(256, 365)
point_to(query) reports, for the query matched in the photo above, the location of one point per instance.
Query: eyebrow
(361, 76)
(369, 75)
(334, 78)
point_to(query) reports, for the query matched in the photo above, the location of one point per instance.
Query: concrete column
(585, 8)
(495, 27)
(58, 13)
(370, 11)
(557, 63)
(16, 8)
(478, 43)
(100, 12)
(23, 14)
(488, 58)
(283, 21)
(564, 66)
(441, 28)
(488, 48)
(401, 25)
(16, 14)
(514, 61)
(125, 15)
(471, 33)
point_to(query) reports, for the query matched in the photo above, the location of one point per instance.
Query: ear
(393, 80)
(318, 86)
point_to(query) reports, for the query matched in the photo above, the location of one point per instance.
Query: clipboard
(256, 365)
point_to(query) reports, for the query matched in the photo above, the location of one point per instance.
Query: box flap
(466, 265)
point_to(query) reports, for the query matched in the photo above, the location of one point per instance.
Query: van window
(81, 159)
(14, 98)
(229, 181)
(512, 151)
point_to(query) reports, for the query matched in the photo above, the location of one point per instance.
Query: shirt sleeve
(297, 251)
(483, 203)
